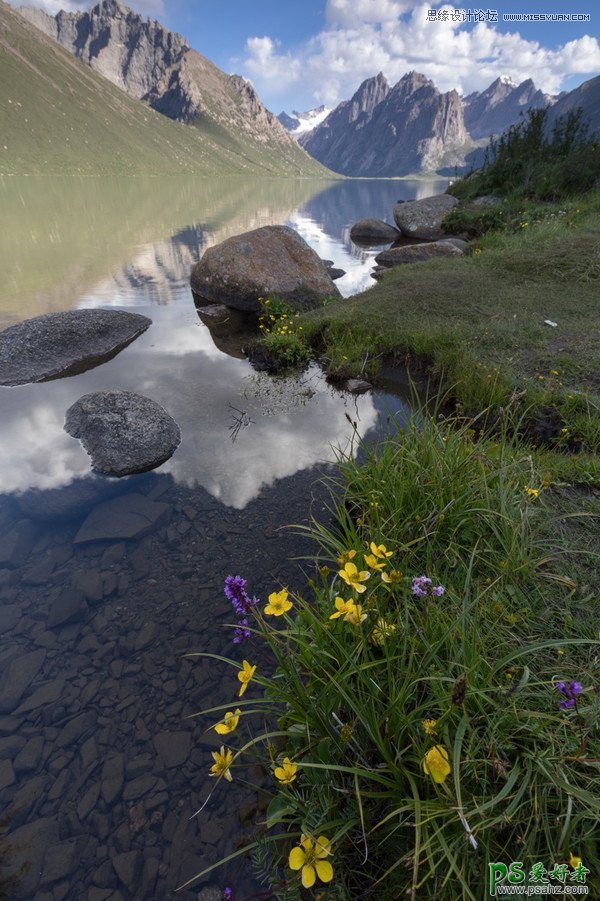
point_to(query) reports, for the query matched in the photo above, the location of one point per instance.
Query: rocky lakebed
(111, 575)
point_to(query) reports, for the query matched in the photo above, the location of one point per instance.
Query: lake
(101, 766)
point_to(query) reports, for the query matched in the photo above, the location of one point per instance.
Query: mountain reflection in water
(197, 374)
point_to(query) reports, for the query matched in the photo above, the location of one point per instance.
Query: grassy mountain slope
(58, 117)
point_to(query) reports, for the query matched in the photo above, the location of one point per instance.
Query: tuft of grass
(467, 672)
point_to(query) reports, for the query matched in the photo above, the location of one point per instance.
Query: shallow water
(100, 770)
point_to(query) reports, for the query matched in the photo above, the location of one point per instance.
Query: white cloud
(362, 37)
(348, 12)
(267, 66)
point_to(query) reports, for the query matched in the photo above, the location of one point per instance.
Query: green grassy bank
(434, 713)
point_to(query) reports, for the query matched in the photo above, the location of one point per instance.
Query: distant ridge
(388, 131)
(228, 129)
(413, 127)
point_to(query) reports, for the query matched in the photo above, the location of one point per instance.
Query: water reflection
(113, 767)
(296, 420)
(121, 240)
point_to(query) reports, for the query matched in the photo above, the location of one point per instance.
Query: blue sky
(299, 55)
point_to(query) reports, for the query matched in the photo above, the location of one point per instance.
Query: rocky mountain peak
(390, 131)
(370, 93)
(156, 65)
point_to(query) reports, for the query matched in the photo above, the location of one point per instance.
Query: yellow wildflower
(353, 578)
(355, 614)
(287, 772)
(532, 492)
(392, 577)
(382, 632)
(429, 726)
(342, 607)
(373, 563)
(380, 551)
(436, 763)
(574, 861)
(220, 767)
(229, 723)
(278, 603)
(245, 675)
(309, 858)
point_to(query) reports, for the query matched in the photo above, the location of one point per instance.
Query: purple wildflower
(227, 894)
(235, 591)
(570, 691)
(422, 586)
(241, 632)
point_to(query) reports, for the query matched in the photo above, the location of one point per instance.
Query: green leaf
(279, 808)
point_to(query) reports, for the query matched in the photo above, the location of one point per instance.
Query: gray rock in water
(272, 259)
(373, 231)
(25, 859)
(69, 605)
(358, 386)
(60, 344)
(17, 677)
(128, 517)
(423, 218)
(417, 253)
(123, 432)
(336, 273)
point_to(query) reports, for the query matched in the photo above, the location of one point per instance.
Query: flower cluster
(235, 591)
(423, 587)
(570, 691)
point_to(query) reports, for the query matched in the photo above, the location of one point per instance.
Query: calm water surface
(101, 768)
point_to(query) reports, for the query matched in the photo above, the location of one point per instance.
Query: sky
(301, 54)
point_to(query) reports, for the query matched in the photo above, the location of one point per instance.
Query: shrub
(530, 161)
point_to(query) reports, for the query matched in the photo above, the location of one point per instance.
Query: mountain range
(412, 127)
(107, 90)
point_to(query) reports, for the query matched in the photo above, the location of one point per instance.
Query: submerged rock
(123, 432)
(417, 253)
(371, 231)
(60, 344)
(423, 218)
(129, 517)
(272, 259)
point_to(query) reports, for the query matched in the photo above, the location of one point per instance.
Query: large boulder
(273, 259)
(60, 344)
(373, 231)
(417, 253)
(123, 432)
(423, 218)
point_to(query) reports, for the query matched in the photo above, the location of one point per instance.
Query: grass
(478, 323)
(363, 706)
